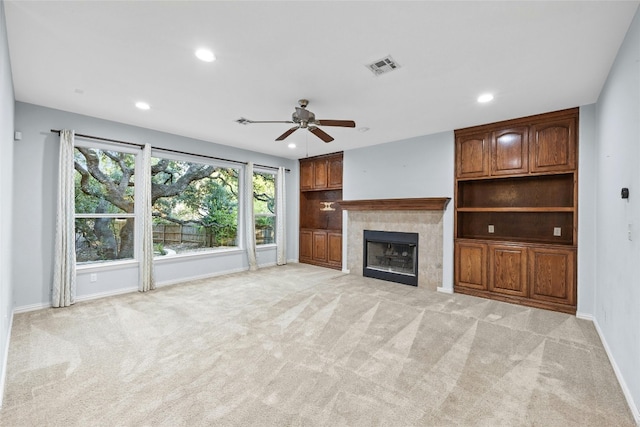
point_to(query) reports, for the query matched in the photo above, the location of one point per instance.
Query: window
(264, 207)
(104, 204)
(195, 206)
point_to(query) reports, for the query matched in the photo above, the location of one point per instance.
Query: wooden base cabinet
(537, 276)
(321, 247)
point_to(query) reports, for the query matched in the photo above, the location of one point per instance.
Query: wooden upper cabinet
(510, 151)
(553, 146)
(334, 172)
(306, 175)
(472, 155)
(321, 173)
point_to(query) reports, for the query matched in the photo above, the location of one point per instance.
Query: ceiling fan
(305, 119)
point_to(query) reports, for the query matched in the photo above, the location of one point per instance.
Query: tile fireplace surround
(423, 216)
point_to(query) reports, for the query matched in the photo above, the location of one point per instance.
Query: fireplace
(391, 256)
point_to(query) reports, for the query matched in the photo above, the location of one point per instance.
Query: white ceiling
(99, 58)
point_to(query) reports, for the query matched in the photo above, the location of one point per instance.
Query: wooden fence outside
(176, 233)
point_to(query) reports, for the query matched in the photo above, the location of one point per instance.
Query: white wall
(6, 196)
(617, 290)
(35, 177)
(587, 180)
(416, 167)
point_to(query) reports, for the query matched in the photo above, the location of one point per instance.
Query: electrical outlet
(491, 228)
(557, 231)
(93, 277)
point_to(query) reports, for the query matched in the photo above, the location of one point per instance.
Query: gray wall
(6, 195)
(617, 292)
(416, 167)
(34, 213)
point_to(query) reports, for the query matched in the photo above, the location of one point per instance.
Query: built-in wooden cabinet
(516, 210)
(320, 215)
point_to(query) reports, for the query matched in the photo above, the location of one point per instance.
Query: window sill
(106, 266)
(196, 255)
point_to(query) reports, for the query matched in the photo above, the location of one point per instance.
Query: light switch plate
(491, 228)
(557, 231)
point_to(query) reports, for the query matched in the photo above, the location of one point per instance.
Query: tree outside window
(195, 206)
(104, 205)
(264, 207)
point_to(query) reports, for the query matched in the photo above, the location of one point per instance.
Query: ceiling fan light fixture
(142, 105)
(291, 145)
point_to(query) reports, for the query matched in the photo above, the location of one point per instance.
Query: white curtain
(249, 227)
(64, 270)
(146, 259)
(281, 236)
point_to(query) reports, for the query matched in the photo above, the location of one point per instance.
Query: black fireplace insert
(392, 256)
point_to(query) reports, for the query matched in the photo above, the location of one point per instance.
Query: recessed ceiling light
(143, 105)
(291, 145)
(205, 55)
(485, 97)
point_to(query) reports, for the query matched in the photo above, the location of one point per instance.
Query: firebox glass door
(392, 257)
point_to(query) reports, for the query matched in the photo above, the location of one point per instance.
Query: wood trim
(489, 127)
(416, 204)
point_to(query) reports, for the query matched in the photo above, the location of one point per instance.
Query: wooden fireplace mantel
(412, 204)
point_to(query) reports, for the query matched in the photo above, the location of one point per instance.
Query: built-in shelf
(410, 204)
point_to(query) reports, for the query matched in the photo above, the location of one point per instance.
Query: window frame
(195, 158)
(136, 215)
(275, 199)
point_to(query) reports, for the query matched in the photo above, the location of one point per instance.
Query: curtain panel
(64, 270)
(281, 237)
(147, 282)
(250, 226)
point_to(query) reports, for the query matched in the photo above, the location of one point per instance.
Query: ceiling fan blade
(320, 134)
(342, 123)
(269, 121)
(287, 133)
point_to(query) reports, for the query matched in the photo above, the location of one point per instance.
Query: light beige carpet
(306, 346)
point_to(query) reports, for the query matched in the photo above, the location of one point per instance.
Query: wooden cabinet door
(553, 146)
(471, 265)
(334, 172)
(320, 176)
(508, 270)
(306, 246)
(335, 248)
(472, 155)
(552, 275)
(510, 151)
(306, 175)
(320, 246)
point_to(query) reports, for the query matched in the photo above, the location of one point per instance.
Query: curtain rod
(137, 144)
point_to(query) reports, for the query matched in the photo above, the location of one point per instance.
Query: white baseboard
(31, 307)
(346, 270)
(616, 369)
(3, 374)
(106, 294)
(444, 290)
(586, 316)
(201, 277)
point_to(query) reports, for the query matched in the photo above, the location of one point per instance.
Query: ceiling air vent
(383, 65)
